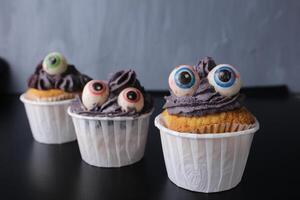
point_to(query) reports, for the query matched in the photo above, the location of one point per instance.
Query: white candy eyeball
(55, 63)
(225, 79)
(131, 98)
(184, 80)
(94, 93)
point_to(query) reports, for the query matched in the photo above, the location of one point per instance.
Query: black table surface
(30, 170)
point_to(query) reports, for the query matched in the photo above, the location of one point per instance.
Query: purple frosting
(117, 82)
(69, 81)
(205, 100)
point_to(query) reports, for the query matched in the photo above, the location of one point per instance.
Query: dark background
(30, 170)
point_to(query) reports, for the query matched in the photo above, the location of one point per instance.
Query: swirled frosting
(117, 82)
(69, 81)
(205, 100)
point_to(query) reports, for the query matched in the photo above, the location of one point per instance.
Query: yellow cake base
(48, 95)
(213, 123)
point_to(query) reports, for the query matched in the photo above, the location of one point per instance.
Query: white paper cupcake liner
(205, 162)
(111, 141)
(49, 121)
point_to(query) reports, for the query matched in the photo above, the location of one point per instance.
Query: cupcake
(51, 88)
(206, 132)
(111, 120)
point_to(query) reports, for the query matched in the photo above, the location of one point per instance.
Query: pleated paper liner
(111, 141)
(206, 162)
(49, 121)
(223, 128)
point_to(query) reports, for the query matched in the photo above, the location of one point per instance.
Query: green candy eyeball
(55, 63)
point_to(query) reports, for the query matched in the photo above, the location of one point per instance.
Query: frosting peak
(204, 66)
(205, 100)
(123, 79)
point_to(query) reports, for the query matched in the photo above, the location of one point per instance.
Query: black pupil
(52, 60)
(185, 77)
(132, 95)
(97, 86)
(224, 75)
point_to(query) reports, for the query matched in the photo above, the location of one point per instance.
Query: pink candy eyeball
(95, 93)
(131, 99)
(184, 80)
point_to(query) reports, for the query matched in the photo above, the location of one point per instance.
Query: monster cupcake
(206, 132)
(51, 88)
(111, 120)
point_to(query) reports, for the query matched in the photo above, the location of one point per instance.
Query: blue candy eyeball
(184, 80)
(225, 79)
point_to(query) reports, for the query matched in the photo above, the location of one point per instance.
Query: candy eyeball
(94, 93)
(55, 63)
(225, 79)
(131, 99)
(184, 80)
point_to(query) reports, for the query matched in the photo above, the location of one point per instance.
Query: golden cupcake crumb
(48, 95)
(219, 122)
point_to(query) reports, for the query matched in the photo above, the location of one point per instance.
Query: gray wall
(260, 37)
